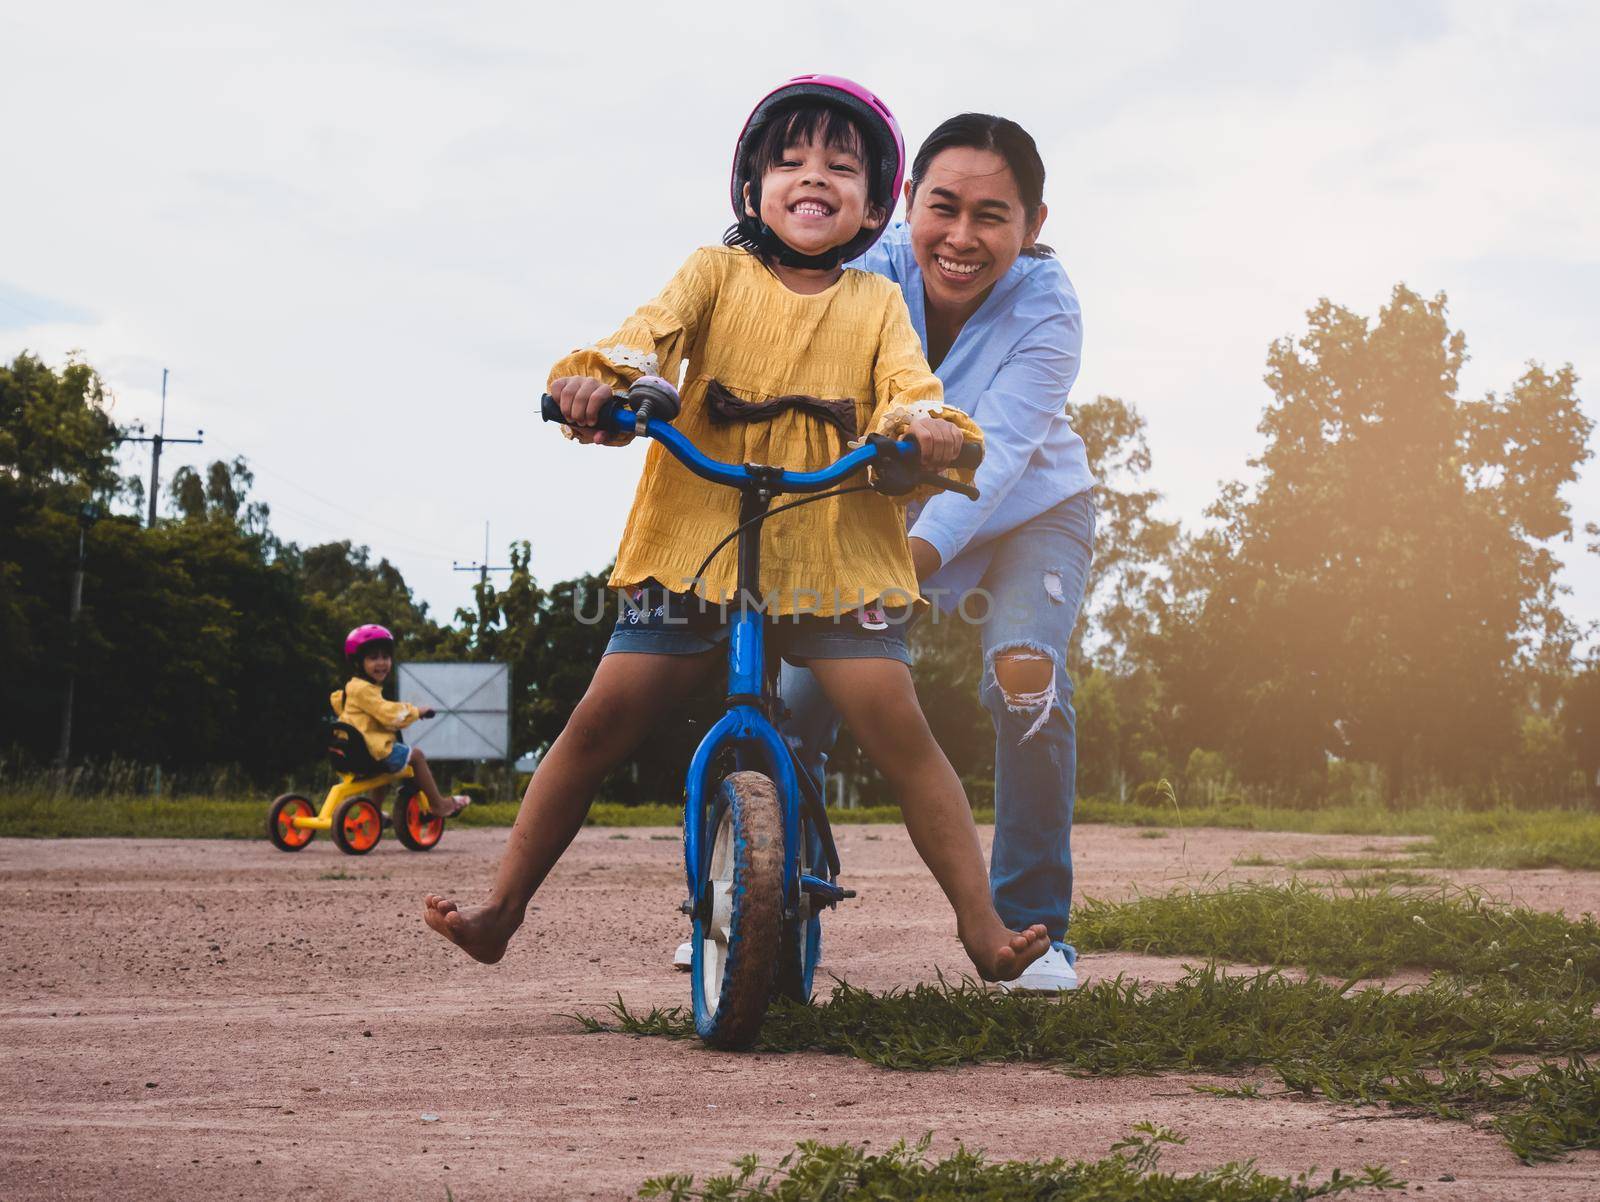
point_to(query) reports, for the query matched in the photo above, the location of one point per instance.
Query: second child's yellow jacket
(362, 704)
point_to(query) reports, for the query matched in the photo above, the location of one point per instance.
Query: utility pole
(86, 516)
(483, 567)
(156, 441)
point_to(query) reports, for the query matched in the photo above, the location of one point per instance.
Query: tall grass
(817, 1172)
(1370, 1045)
(1359, 934)
(1506, 1027)
(122, 799)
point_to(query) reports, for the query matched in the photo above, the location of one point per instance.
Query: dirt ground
(209, 1020)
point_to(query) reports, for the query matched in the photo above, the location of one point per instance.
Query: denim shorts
(658, 622)
(399, 756)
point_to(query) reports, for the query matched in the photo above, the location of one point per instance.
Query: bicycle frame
(746, 728)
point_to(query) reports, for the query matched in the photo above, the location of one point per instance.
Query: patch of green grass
(1459, 839)
(1321, 863)
(1352, 935)
(43, 815)
(1498, 838)
(1370, 1045)
(1256, 860)
(817, 1172)
(1518, 839)
(1152, 834)
(1328, 820)
(1382, 879)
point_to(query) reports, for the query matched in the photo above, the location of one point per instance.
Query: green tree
(1376, 594)
(1580, 720)
(57, 439)
(204, 641)
(222, 494)
(1133, 546)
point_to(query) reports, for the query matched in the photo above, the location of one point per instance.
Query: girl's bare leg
(424, 778)
(629, 693)
(878, 702)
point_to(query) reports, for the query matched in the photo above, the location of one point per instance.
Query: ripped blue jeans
(1034, 583)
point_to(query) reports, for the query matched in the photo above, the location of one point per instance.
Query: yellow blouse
(725, 317)
(363, 705)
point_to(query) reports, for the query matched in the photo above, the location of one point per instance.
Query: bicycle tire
(801, 946)
(738, 931)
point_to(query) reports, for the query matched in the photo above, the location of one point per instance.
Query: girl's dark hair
(984, 131)
(805, 120)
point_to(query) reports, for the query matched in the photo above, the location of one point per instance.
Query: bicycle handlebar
(616, 418)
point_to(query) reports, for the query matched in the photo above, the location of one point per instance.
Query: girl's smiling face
(814, 197)
(377, 665)
(968, 225)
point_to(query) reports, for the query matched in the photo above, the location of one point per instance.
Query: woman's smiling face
(968, 225)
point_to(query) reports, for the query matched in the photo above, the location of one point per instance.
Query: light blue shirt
(1011, 368)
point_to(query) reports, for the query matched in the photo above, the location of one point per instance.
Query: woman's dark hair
(984, 131)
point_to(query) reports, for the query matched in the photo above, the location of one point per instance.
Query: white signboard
(474, 710)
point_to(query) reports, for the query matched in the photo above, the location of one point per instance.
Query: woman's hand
(581, 400)
(938, 441)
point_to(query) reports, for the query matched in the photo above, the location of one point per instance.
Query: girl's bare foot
(1000, 954)
(449, 807)
(480, 931)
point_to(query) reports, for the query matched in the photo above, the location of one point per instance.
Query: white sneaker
(1050, 973)
(683, 958)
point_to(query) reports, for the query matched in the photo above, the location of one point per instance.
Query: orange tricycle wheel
(285, 835)
(418, 829)
(357, 826)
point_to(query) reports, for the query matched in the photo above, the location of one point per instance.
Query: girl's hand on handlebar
(581, 400)
(938, 441)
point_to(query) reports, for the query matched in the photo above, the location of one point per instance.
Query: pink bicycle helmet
(887, 174)
(363, 637)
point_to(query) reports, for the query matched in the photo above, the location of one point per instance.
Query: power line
(11, 304)
(156, 440)
(482, 568)
(256, 465)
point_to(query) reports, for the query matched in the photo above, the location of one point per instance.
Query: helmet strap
(780, 251)
(788, 256)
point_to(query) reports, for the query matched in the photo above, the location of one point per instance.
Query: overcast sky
(358, 235)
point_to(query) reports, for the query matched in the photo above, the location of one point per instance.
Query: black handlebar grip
(551, 411)
(971, 455)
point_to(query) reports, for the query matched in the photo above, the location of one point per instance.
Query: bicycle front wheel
(738, 925)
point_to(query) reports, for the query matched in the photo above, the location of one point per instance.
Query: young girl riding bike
(369, 651)
(789, 358)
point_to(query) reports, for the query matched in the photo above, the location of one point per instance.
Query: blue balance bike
(757, 848)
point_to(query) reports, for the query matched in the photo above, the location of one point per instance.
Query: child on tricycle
(369, 650)
(368, 756)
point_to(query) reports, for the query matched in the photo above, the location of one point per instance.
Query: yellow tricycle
(351, 810)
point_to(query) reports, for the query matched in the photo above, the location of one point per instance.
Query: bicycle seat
(347, 751)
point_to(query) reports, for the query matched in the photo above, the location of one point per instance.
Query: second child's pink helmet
(364, 638)
(887, 172)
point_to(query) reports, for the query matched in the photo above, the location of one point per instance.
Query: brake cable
(700, 572)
